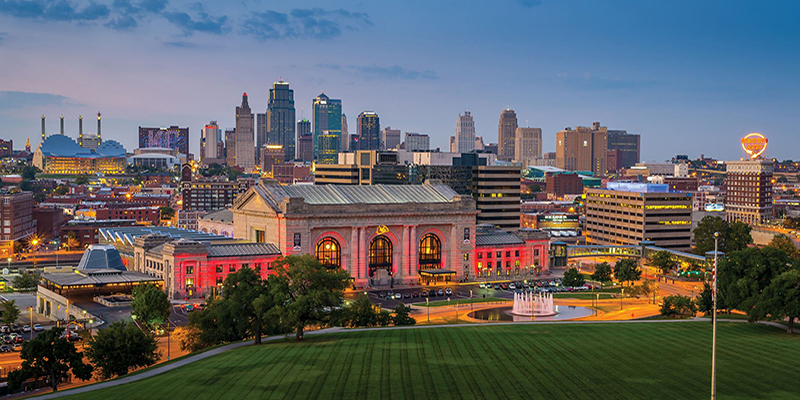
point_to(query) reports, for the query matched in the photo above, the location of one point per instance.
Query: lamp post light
(428, 306)
(714, 322)
(471, 308)
(620, 299)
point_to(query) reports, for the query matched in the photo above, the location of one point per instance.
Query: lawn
(668, 360)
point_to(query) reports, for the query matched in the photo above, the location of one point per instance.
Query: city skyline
(688, 85)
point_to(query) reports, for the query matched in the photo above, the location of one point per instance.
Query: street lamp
(620, 299)
(471, 308)
(714, 322)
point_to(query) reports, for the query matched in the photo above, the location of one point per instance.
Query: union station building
(388, 234)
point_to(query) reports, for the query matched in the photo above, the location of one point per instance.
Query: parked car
(407, 295)
(19, 339)
(424, 293)
(5, 329)
(398, 296)
(7, 339)
(26, 328)
(382, 295)
(390, 295)
(17, 347)
(432, 293)
(482, 285)
(5, 349)
(448, 292)
(496, 286)
(415, 294)
(16, 328)
(512, 286)
(504, 286)
(37, 328)
(440, 292)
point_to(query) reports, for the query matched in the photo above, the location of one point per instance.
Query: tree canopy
(150, 305)
(627, 270)
(602, 272)
(573, 278)
(785, 244)
(732, 237)
(51, 355)
(663, 261)
(10, 311)
(121, 347)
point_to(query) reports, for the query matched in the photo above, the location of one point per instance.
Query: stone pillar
(362, 253)
(455, 254)
(400, 272)
(405, 259)
(353, 261)
(413, 243)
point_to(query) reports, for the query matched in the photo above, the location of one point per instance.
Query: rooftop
(127, 234)
(637, 187)
(101, 257)
(359, 194)
(242, 249)
(64, 146)
(223, 216)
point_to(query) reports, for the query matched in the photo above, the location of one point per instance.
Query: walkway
(222, 349)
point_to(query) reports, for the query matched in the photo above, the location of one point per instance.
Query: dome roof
(99, 256)
(111, 148)
(64, 146)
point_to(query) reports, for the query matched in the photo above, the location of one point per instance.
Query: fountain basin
(504, 314)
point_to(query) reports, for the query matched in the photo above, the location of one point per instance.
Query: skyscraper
(345, 135)
(582, 149)
(173, 137)
(305, 141)
(327, 129)
(369, 129)
(506, 132)
(280, 118)
(244, 147)
(749, 191)
(230, 146)
(261, 129)
(465, 134)
(628, 146)
(390, 138)
(211, 144)
(417, 142)
(528, 144)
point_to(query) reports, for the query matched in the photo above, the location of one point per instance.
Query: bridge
(560, 252)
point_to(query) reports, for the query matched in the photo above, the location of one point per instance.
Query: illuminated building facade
(16, 212)
(506, 135)
(369, 127)
(280, 118)
(748, 195)
(59, 154)
(510, 255)
(583, 149)
(629, 213)
(327, 129)
(173, 137)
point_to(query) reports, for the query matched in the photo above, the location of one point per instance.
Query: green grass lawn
(570, 361)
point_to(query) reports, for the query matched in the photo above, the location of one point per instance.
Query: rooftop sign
(754, 144)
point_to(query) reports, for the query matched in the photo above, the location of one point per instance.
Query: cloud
(316, 23)
(61, 10)
(180, 44)
(588, 81)
(123, 23)
(15, 100)
(394, 72)
(204, 22)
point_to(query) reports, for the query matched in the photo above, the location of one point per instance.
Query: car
(37, 328)
(406, 295)
(398, 296)
(504, 286)
(496, 286)
(512, 286)
(19, 339)
(16, 328)
(526, 285)
(390, 295)
(17, 347)
(7, 339)
(415, 294)
(424, 293)
(5, 329)
(440, 292)
(432, 293)
(382, 295)
(448, 292)
(482, 285)
(5, 349)
(26, 328)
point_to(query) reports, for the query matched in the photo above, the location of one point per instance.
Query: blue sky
(689, 76)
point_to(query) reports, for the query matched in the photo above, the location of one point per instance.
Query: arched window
(380, 254)
(329, 254)
(430, 252)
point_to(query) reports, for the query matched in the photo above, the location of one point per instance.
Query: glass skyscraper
(280, 118)
(327, 129)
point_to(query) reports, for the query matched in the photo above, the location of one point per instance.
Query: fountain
(533, 304)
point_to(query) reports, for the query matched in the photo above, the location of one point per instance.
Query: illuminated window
(516, 253)
(219, 269)
(329, 253)
(260, 237)
(189, 282)
(219, 281)
(232, 268)
(380, 254)
(480, 256)
(430, 252)
(189, 269)
(466, 256)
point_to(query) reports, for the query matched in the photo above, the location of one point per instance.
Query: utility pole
(714, 322)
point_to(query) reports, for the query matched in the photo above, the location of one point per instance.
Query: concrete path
(222, 349)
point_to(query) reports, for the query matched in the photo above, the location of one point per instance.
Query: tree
(26, 280)
(678, 306)
(120, 348)
(779, 300)
(573, 278)
(785, 244)
(188, 337)
(10, 311)
(743, 275)
(704, 234)
(60, 190)
(663, 261)
(51, 355)
(82, 180)
(648, 289)
(166, 212)
(150, 305)
(738, 237)
(627, 270)
(28, 173)
(402, 316)
(305, 291)
(360, 313)
(602, 272)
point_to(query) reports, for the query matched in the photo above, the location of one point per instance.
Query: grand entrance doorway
(381, 261)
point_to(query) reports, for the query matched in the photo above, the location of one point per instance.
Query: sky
(692, 77)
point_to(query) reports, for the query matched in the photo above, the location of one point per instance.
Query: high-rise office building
(417, 142)
(626, 146)
(506, 133)
(245, 148)
(261, 130)
(749, 191)
(173, 137)
(280, 118)
(390, 138)
(345, 146)
(211, 146)
(230, 146)
(464, 141)
(369, 128)
(528, 144)
(305, 141)
(582, 149)
(327, 129)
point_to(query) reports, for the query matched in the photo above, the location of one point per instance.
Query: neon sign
(381, 230)
(754, 144)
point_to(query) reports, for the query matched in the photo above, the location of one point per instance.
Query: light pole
(471, 308)
(428, 306)
(714, 323)
(620, 299)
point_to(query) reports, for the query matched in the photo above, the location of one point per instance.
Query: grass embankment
(667, 360)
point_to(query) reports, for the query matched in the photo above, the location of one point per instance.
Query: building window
(328, 253)
(189, 282)
(380, 254)
(508, 264)
(536, 252)
(480, 256)
(489, 264)
(488, 254)
(219, 269)
(219, 281)
(189, 269)
(499, 254)
(232, 268)
(430, 252)
(258, 268)
(466, 256)
(245, 265)
(508, 254)
(516, 253)
(260, 237)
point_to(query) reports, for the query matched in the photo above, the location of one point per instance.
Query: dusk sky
(689, 76)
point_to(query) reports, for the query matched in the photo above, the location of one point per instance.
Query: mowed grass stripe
(570, 361)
